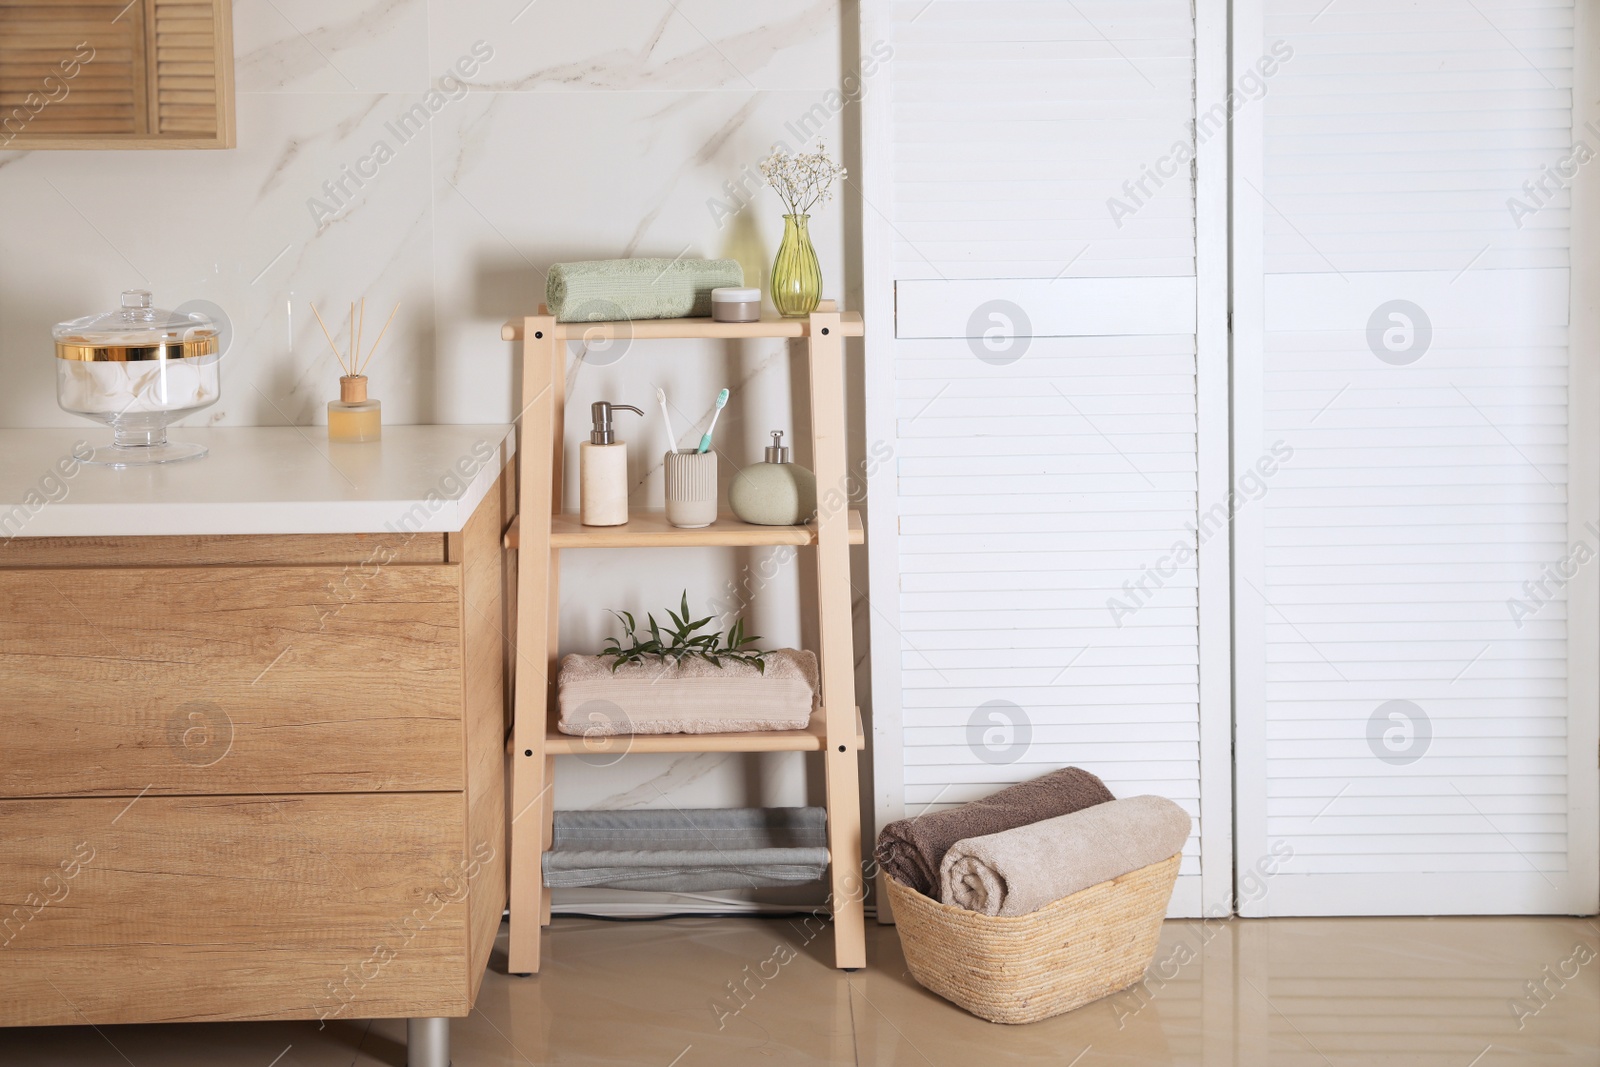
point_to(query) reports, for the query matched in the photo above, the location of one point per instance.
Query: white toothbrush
(666, 421)
(722, 402)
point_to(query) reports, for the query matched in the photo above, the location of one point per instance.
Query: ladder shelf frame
(534, 743)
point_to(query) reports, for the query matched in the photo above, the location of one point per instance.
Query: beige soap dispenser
(603, 470)
(774, 493)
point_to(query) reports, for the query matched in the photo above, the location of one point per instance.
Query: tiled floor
(1329, 992)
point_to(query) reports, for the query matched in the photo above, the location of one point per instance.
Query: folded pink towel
(691, 696)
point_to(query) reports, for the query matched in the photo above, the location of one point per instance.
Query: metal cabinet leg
(427, 1043)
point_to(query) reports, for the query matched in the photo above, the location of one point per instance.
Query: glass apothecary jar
(138, 370)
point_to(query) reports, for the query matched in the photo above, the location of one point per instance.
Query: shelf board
(768, 326)
(650, 529)
(812, 739)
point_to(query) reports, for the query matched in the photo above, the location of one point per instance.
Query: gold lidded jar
(139, 369)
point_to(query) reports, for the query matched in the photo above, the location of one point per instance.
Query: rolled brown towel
(910, 850)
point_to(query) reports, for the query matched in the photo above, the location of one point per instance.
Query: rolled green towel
(611, 289)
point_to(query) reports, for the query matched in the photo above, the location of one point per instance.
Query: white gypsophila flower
(803, 181)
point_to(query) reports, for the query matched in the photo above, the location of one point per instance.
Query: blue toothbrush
(705, 442)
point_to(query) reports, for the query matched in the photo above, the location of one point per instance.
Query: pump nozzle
(600, 415)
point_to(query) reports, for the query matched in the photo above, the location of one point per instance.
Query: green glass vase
(796, 274)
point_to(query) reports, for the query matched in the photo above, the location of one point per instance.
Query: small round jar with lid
(736, 304)
(774, 493)
(138, 370)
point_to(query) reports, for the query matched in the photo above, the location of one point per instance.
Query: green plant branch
(682, 641)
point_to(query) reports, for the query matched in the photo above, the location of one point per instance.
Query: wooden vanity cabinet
(252, 777)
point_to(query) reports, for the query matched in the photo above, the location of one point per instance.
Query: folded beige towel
(1020, 871)
(689, 697)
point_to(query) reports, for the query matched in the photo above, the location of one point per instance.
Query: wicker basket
(1025, 968)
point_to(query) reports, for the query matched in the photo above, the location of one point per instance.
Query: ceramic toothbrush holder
(691, 488)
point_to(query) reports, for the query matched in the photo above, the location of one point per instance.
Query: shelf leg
(528, 894)
(428, 1042)
(848, 889)
(538, 494)
(847, 896)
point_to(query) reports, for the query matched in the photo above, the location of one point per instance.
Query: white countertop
(257, 480)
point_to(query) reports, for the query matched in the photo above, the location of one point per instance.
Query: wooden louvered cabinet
(114, 74)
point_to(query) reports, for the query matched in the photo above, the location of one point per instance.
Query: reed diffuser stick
(361, 329)
(379, 341)
(352, 334)
(336, 353)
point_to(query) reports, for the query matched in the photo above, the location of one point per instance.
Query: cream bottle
(603, 469)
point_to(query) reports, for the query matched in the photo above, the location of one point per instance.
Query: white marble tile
(235, 228)
(559, 45)
(311, 46)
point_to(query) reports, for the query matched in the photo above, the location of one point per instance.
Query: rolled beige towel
(910, 849)
(1020, 871)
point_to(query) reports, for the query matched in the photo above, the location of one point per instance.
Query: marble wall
(548, 130)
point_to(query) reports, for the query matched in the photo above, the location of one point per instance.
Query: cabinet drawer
(118, 681)
(191, 909)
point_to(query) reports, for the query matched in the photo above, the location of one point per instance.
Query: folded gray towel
(606, 290)
(688, 850)
(1020, 871)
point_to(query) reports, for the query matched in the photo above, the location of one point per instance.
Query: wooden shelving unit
(835, 732)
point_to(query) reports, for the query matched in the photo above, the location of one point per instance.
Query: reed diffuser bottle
(354, 418)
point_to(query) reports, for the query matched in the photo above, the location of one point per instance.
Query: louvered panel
(71, 68)
(1396, 136)
(1009, 553)
(104, 73)
(1022, 141)
(1448, 533)
(185, 68)
(1413, 730)
(1015, 123)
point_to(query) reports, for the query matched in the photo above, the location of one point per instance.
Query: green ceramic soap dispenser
(774, 493)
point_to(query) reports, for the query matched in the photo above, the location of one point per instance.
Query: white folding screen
(1047, 361)
(1415, 632)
